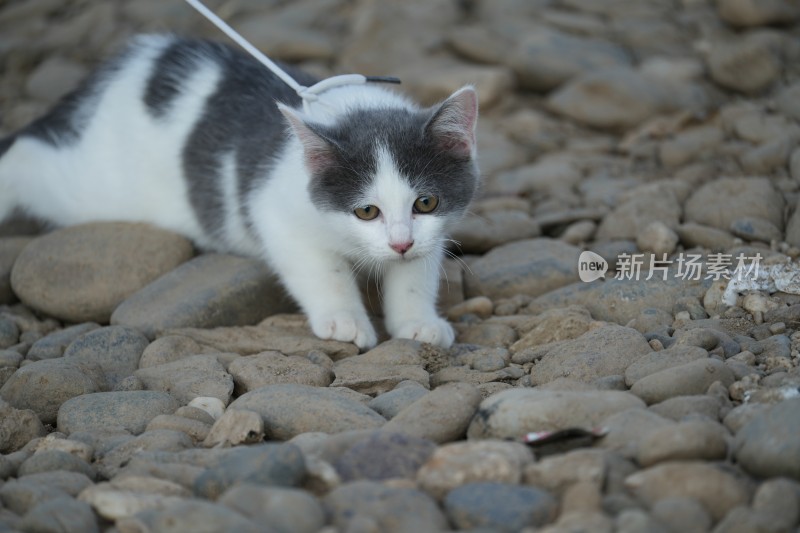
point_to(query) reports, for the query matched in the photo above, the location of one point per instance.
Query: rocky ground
(136, 397)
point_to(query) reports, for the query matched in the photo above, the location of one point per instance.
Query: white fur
(127, 166)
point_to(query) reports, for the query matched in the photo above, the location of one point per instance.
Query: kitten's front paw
(345, 326)
(437, 331)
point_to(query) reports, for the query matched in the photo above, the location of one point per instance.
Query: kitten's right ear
(318, 151)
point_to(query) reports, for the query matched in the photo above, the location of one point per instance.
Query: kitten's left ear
(453, 123)
(318, 151)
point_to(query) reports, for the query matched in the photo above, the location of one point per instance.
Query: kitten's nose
(401, 247)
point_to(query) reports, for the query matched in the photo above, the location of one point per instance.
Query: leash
(307, 94)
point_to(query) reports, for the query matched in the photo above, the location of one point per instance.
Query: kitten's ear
(319, 152)
(453, 123)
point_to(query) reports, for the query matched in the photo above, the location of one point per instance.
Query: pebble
(778, 498)
(461, 463)
(488, 334)
(529, 267)
(23, 494)
(269, 464)
(748, 64)
(479, 306)
(717, 490)
(211, 290)
(600, 352)
(690, 378)
(54, 78)
(546, 58)
(60, 514)
(654, 362)
(17, 427)
(373, 379)
(193, 515)
(49, 460)
(499, 506)
(288, 410)
(390, 403)
(170, 348)
(53, 345)
(189, 378)
(248, 340)
(43, 386)
(747, 13)
(684, 441)
(697, 235)
(130, 410)
(115, 349)
(236, 426)
(767, 446)
(383, 455)
(197, 430)
(682, 514)
(382, 508)
(680, 407)
(615, 98)
(480, 233)
(119, 456)
(286, 510)
(515, 412)
(755, 229)
(626, 429)
(557, 473)
(658, 238)
(553, 325)
(442, 415)
(60, 274)
(637, 212)
(720, 202)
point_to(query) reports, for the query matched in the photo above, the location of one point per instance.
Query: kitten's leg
(324, 286)
(410, 291)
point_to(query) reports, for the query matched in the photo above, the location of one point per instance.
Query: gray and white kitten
(198, 138)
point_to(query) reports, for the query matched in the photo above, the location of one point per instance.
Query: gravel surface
(145, 387)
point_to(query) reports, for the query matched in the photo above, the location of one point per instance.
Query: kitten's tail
(8, 199)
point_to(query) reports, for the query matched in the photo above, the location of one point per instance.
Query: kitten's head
(395, 177)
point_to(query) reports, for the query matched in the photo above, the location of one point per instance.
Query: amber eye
(368, 212)
(425, 204)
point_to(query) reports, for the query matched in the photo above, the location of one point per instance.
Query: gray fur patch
(242, 118)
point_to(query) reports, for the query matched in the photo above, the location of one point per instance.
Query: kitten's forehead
(367, 138)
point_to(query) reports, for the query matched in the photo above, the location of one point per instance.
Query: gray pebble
(54, 344)
(383, 455)
(43, 386)
(264, 464)
(9, 333)
(21, 495)
(197, 516)
(499, 506)
(384, 507)
(289, 410)
(60, 515)
(768, 445)
(390, 403)
(131, 410)
(286, 510)
(116, 349)
(49, 460)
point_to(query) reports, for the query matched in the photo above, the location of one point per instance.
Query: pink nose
(401, 247)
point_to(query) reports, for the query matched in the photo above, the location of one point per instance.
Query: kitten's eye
(368, 212)
(426, 204)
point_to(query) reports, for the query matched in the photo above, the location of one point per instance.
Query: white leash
(307, 94)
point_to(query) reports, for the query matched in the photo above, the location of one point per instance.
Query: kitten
(198, 138)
